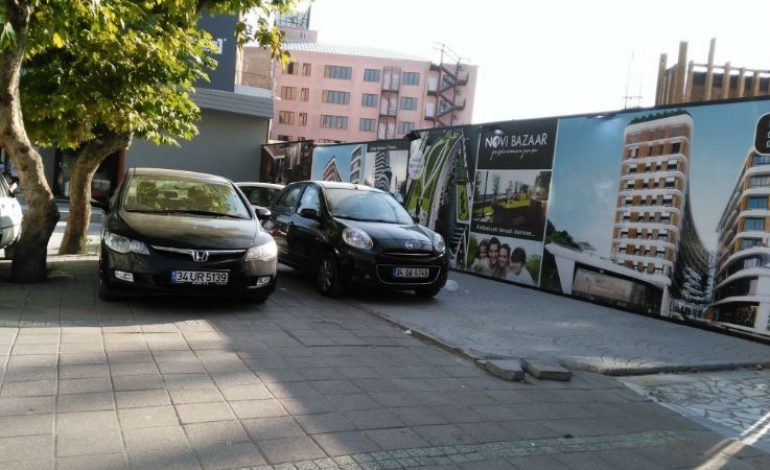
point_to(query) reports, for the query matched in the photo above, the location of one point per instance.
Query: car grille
(187, 253)
(408, 255)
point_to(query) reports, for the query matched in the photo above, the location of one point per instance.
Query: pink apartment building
(331, 93)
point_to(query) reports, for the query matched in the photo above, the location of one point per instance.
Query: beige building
(687, 82)
(336, 93)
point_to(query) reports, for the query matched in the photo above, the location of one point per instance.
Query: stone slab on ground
(546, 370)
(506, 369)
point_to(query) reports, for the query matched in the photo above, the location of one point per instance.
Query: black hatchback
(179, 232)
(352, 234)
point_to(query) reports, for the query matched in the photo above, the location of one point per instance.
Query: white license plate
(199, 277)
(411, 273)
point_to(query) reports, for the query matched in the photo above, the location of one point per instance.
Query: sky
(541, 58)
(587, 164)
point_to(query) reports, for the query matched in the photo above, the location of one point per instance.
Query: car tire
(106, 293)
(427, 292)
(328, 276)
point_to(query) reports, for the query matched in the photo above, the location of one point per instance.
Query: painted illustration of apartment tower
(356, 162)
(742, 292)
(382, 171)
(654, 232)
(330, 171)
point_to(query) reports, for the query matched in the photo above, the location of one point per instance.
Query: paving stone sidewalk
(487, 319)
(301, 382)
(734, 403)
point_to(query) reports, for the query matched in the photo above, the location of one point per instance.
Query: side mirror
(309, 213)
(263, 213)
(100, 205)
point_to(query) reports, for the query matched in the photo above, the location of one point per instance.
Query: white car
(10, 217)
(260, 196)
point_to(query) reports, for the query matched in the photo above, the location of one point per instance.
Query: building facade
(687, 82)
(654, 231)
(742, 291)
(333, 93)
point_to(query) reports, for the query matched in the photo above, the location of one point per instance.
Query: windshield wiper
(193, 212)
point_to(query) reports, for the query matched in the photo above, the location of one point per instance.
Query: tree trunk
(29, 260)
(87, 161)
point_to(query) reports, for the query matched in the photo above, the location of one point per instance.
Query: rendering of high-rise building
(654, 231)
(742, 291)
(330, 172)
(382, 170)
(356, 161)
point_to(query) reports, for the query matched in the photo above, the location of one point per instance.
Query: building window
(291, 68)
(676, 147)
(371, 75)
(336, 71)
(288, 93)
(757, 202)
(285, 138)
(759, 181)
(750, 242)
(411, 78)
(303, 119)
(405, 127)
(751, 263)
(306, 69)
(369, 100)
(366, 125)
(334, 122)
(753, 223)
(633, 152)
(760, 160)
(304, 94)
(336, 97)
(286, 117)
(408, 103)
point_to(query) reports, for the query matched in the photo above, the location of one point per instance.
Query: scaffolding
(452, 74)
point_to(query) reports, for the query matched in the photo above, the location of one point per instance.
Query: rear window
(146, 193)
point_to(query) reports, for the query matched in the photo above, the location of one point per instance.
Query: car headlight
(438, 243)
(124, 245)
(357, 239)
(263, 252)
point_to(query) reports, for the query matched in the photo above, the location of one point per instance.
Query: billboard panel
(285, 162)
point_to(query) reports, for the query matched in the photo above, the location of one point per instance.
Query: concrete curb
(481, 361)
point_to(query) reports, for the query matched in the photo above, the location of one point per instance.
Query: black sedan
(349, 233)
(185, 233)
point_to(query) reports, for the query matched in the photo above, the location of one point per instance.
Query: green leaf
(58, 41)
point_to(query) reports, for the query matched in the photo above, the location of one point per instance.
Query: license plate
(411, 273)
(199, 277)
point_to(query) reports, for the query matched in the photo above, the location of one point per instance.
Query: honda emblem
(200, 256)
(409, 245)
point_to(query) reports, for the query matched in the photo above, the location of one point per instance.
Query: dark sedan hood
(394, 236)
(179, 230)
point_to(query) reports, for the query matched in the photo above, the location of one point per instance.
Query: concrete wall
(228, 145)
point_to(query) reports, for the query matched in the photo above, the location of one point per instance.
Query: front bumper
(376, 269)
(152, 274)
(9, 234)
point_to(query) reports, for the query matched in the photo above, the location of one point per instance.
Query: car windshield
(168, 194)
(259, 196)
(364, 205)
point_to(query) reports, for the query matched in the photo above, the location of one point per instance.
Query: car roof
(260, 184)
(190, 175)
